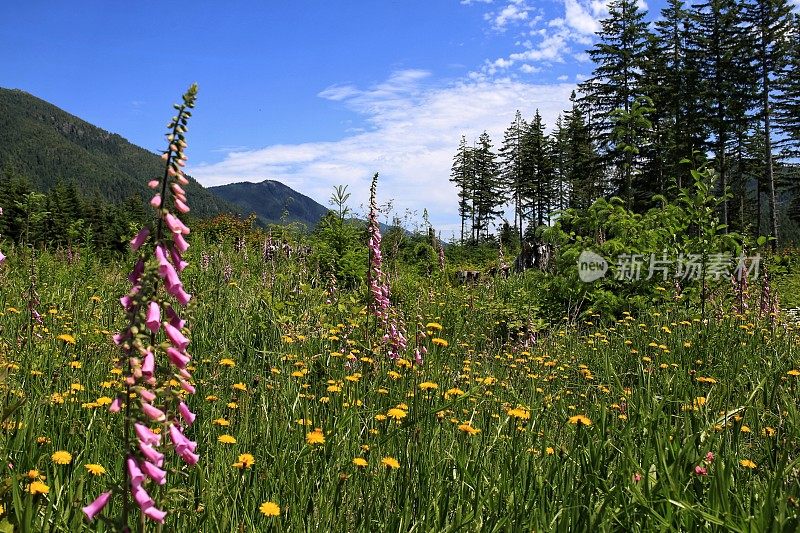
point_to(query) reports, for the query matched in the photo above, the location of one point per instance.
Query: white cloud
(583, 18)
(415, 129)
(548, 41)
(514, 12)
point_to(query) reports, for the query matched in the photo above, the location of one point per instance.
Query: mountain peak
(272, 201)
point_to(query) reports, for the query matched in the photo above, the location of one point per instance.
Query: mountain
(269, 200)
(48, 146)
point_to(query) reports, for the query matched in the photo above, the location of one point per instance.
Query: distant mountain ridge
(272, 202)
(47, 145)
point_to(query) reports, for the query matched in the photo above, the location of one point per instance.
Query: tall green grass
(633, 469)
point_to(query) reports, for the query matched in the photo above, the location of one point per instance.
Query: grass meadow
(663, 421)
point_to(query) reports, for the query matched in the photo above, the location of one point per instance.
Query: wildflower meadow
(205, 382)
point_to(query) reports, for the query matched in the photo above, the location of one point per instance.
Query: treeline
(707, 84)
(63, 217)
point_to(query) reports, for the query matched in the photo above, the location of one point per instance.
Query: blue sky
(311, 93)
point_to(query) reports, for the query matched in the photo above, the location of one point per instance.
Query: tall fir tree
(463, 176)
(769, 22)
(615, 83)
(672, 80)
(720, 47)
(488, 194)
(787, 108)
(538, 165)
(558, 156)
(512, 167)
(582, 168)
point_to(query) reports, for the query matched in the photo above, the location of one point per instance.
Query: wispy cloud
(415, 126)
(513, 12)
(545, 41)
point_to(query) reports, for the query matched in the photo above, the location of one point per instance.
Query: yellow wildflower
(315, 437)
(95, 469)
(390, 462)
(270, 509)
(580, 419)
(61, 457)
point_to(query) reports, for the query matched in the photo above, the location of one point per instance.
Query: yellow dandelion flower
(270, 509)
(37, 487)
(227, 439)
(380, 418)
(768, 431)
(245, 461)
(390, 462)
(360, 462)
(227, 362)
(453, 392)
(440, 342)
(315, 437)
(240, 386)
(580, 419)
(747, 463)
(793, 372)
(702, 379)
(221, 422)
(549, 450)
(433, 325)
(33, 474)
(519, 412)
(428, 385)
(61, 457)
(95, 469)
(66, 337)
(75, 364)
(396, 413)
(468, 429)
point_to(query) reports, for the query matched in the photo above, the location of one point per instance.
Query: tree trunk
(768, 156)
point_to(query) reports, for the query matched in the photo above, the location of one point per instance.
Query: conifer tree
(512, 167)
(769, 22)
(720, 47)
(615, 84)
(787, 108)
(581, 162)
(538, 165)
(488, 194)
(462, 175)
